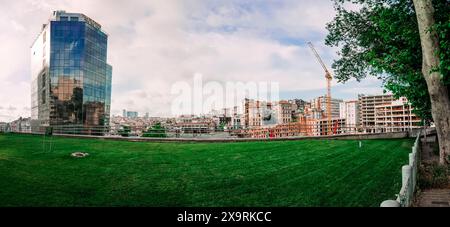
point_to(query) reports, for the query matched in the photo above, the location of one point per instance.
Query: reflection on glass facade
(71, 80)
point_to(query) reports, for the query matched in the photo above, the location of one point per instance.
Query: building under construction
(277, 131)
(325, 115)
(370, 114)
(303, 127)
(367, 104)
(396, 117)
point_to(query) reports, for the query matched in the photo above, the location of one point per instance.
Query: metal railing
(409, 179)
(72, 130)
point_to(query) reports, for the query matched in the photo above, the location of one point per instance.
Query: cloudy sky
(156, 43)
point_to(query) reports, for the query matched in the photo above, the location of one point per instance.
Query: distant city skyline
(154, 44)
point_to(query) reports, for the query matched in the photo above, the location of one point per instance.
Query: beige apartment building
(260, 113)
(349, 111)
(256, 113)
(284, 110)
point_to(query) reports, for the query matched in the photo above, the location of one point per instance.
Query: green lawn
(281, 173)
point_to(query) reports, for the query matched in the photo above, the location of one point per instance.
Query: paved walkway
(434, 198)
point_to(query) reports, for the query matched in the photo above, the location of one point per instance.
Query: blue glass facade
(79, 78)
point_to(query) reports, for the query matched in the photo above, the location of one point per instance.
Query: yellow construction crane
(329, 78)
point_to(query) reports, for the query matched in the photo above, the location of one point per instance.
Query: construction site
(325, 115)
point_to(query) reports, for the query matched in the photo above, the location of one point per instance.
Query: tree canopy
(157, 130)
(381, 38)
(124, 130)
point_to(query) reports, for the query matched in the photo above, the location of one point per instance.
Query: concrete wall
(391, 135)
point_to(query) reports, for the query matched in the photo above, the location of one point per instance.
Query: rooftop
(62, 15)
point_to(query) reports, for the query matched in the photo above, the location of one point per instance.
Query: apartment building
(284, 110)
(349, 111)
(194, 124)
(258, 113)
(3, 126)
(319, 107)
(20, 125)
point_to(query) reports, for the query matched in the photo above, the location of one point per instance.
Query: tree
(124, 130)
(156, 131)
(383, 38)
(438, 91)
(221, 126)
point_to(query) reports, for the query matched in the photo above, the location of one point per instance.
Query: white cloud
(14, 102)
(369, 86)
(363, 90)
(154, 44)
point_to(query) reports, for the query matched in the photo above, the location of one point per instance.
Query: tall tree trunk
(440, 103)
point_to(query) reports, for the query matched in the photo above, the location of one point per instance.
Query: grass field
(118, 173)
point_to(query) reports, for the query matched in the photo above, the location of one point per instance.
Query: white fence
(409, 179)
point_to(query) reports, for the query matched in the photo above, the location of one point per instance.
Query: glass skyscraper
(71, 79)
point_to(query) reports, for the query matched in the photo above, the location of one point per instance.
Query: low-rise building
(237, 121)
(194, 124)
(137, 125)
(21, 125)
(323, 127)
(276, 131)
(3, 126)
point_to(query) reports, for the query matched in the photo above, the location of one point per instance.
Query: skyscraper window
(80, 90)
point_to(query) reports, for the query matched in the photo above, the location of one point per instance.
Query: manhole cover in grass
(79, 154)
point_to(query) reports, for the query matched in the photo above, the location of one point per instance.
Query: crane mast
(328, 77)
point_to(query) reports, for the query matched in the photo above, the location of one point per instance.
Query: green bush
(436, 149)
(124, 131)
(433, 176)
(156, 131)
(48, 131)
